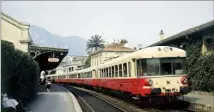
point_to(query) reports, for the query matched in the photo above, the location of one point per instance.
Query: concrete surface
(58, 99)
(200, 102)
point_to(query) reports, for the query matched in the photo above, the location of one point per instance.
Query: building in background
(110, 52)
(203, 33)
(15, 32)
(69, 64)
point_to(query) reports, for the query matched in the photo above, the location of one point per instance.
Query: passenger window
(129, 65)
(120, 70)
(112, 71)
(106, 72)
(125, 69)
(116, 70)
(102, 73)
(91, 74)
(109, 71)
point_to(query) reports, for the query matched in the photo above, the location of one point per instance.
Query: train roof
(149, 52)
(87, 69)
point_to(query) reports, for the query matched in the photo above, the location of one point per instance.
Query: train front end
(163, 75)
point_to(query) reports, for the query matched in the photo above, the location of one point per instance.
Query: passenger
(48, 84)
(9, 104)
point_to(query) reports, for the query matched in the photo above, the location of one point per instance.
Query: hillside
(42, 37)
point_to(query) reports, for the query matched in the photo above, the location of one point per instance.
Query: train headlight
(150, 82)
(184, 80)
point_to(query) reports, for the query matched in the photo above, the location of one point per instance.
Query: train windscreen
(160, 66)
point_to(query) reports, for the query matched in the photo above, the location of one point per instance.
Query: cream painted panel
(174, 81)
(14, 34)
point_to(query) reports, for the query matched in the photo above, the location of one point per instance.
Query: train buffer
(58, 99)
(200, 102)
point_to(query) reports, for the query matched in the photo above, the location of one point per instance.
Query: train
(155, 74)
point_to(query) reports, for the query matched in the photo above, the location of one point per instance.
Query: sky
(139, 22)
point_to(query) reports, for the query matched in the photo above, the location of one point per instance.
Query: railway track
(92, 103)
(124, 105)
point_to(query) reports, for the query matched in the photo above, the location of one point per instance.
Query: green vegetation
(88, 62)
(94, 43)
(200, 67)
(20, 73)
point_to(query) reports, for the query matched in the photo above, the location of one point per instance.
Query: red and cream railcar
(89, 76)
(58, 78)
(73, 77)
(152, 71)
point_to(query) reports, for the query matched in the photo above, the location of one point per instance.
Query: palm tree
(95, 42)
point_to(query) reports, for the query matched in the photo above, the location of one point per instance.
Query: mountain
(42, 37)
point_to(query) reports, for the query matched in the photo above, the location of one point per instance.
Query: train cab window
(120, 70)
(112, 71)
(142, 67)
(129, 68)
(116, 70)
(125, 69)
(153, 66)
(78, 75)
(166, 66)
(109, 74)
(171, 66)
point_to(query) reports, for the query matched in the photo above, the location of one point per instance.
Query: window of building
(120, 70)
(116, 70)
(210, 44)
(125, 69)
(69, 69)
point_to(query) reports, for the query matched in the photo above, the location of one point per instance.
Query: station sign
(53, 59)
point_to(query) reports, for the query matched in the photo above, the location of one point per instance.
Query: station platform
(200, 102)
(58, 99)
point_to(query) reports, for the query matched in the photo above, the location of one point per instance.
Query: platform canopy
(48, 58)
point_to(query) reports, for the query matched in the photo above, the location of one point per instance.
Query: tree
(123, 42)
(95, 42)
(88, 62)
(20, 73)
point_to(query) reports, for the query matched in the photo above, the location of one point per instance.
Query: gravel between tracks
(128, 107)
(91, 103)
